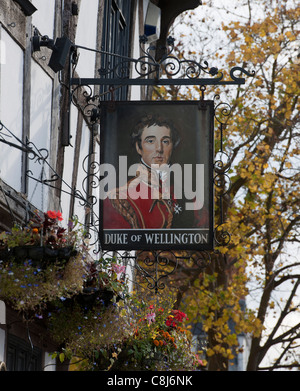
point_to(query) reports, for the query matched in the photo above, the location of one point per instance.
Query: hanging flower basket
(129, 336)
(41, 262)
(41, 253)
(103, 286)
(29, 286)
(90, 297)
(4, 254)
(42, 239)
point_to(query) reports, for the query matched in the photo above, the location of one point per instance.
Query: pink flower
(198, 360)
(151, 317)
(119, 269)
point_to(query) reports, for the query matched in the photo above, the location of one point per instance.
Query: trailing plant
(44, 230)
(30, 280)
(88, 321)
(132, 334)
(29, 287)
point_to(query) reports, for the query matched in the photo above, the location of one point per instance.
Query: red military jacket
(143, 203)
(139, 203)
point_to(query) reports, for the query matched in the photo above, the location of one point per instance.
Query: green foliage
(26, 286)
(44, 230)
(31, 283)
(128, 335)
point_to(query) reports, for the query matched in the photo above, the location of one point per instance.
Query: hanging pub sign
(156, 175)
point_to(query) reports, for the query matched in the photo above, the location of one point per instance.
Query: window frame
(116, 40)
(17, 349)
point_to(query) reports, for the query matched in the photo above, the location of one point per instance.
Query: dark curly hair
(152, 119)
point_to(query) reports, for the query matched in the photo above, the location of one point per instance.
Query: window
(115, 39)
(11, 109)
(21, 356)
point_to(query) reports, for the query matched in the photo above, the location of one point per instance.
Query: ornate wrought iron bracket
(221, 178)
(149, 269)
(169, 70)
(116, 71)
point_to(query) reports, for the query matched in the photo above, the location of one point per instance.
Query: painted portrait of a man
(155, 191)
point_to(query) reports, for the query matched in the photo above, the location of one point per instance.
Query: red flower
(176, 317)
(51, 214)
(59, 215)
(170, 322)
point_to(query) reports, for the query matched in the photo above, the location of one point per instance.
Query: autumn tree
(261, 208)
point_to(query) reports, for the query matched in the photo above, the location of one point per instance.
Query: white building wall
(2, 332)
(69, 166)
(40, 132)
(82, 174)
(11, 109)
(86, 35)
(50, 363)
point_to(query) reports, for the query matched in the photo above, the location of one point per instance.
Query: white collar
(162, 173)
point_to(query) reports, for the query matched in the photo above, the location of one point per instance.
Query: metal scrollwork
(85, 99)
(168, 64)
(89, 200)
(120, 70)
(154, 69)
(221, 179)
(222, 110)
(151, 269)
(242, 70)
(92, 169)
(172, 66)
(168, 69)
(155, 266)
(221, 236)
(38, 155)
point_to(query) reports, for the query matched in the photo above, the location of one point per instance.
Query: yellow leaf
(290, 36)
(210, 352)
